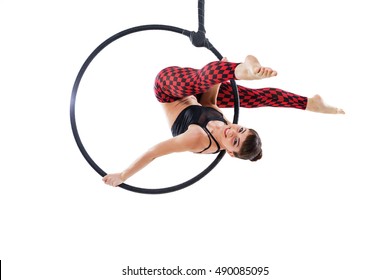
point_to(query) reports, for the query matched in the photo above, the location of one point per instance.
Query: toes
(269, 73)
(257, 70)
(265, 72)
(261, 72)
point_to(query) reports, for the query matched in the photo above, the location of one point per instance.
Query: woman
(191, 99)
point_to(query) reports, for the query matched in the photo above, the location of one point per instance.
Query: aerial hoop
(198, 39)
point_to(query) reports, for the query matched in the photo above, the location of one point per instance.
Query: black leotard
(199, 115)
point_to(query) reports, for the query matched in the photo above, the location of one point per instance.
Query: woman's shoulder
(195, 132)
(196, 137)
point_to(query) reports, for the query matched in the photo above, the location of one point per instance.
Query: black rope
(84, 68)
(198, 38)
(201, 27)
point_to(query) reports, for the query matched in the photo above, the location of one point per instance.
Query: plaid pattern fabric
(254, 98)
(173, 83)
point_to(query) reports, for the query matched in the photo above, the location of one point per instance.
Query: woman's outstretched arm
(181, 143)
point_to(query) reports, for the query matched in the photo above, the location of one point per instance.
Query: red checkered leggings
(173, 83)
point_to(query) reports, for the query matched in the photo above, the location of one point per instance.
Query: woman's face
(233, 137)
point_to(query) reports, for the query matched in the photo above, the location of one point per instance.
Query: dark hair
(251, 147)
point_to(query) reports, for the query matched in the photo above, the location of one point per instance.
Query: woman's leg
(253, 98)
(272, 97)
(174, 82)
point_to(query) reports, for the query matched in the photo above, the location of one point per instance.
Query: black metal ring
(73, 103)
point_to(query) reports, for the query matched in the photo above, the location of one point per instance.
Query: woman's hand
(113, 179)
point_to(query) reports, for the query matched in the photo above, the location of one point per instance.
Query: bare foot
(317, 104)
(252, 70)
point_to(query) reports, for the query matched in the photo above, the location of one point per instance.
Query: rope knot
(198, 39)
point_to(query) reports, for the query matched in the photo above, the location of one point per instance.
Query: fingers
(111, 180)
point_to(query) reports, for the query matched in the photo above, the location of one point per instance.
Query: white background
(315, 207)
